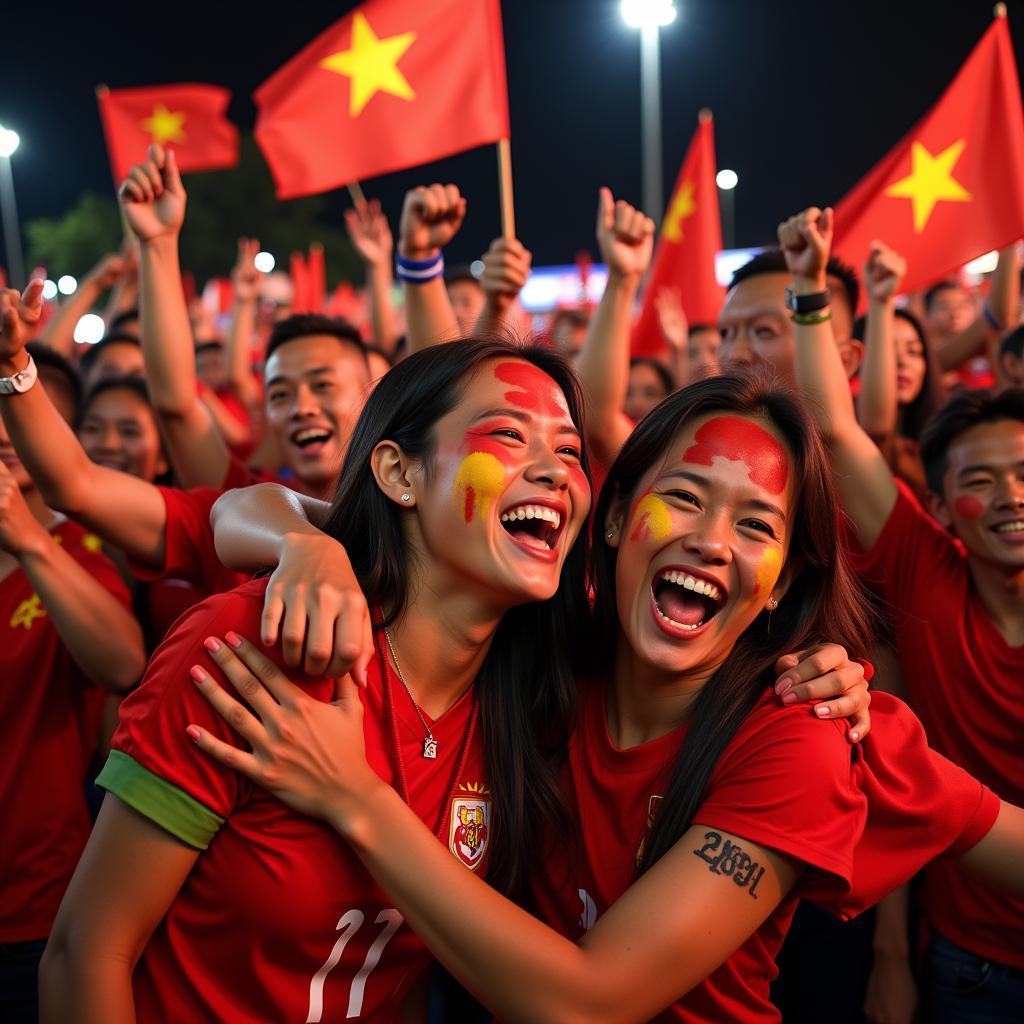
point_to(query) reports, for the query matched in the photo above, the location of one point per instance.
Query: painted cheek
(480, 479)
(483, 441)
(969, 507)
(767, 571)
(651, 519)
(533, 389)
(739, 440)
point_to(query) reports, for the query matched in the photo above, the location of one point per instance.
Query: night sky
(806, 96)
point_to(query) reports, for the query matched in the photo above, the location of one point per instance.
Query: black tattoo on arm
(727, 858)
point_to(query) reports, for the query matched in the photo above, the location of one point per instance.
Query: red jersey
(278, 919)
(967, 684)
(862, 819)
(49, 720)
(189, 552)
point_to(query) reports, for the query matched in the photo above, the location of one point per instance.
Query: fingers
(506, 266)
(605, 210)
(295, 625)
(860, 725)
(31, 305)
(262, 668)
(236, 672)
(238, 717)
(229, 756)
(171, 175)
(825, 223)
(348, 644)
(802, 666)
(273, 610)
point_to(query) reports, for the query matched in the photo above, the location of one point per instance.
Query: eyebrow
(703, 481)
(522, 417)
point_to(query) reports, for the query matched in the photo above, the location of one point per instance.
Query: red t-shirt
(863, 819)
(278, 919)
(49, 718)
(967, 684)
(189, 552)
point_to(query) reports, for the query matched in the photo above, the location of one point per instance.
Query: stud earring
(772, 604)
(406, 497)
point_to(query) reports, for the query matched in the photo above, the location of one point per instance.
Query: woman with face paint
(703, 809)
(460, 505)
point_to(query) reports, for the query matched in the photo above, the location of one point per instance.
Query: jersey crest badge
(470, 824)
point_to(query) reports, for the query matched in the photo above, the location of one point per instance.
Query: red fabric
(691, 235)
(453, 98)
(300, 283)
(316, 278)
(207, 141)
(982, 110)
(967, 684)
(275, 881)
(189, 552)
(863, 819)
(49, 716)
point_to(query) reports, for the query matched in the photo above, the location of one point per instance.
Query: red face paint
(534, 389)
(969, 507)
(741, 440)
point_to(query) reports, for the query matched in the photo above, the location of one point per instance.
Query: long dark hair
(822, 604)
(526, 685)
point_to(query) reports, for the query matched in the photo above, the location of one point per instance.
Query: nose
(737, 350)
(1011, 493)
(304, 403)
(110, 439)
(547, 468)
(708, 539)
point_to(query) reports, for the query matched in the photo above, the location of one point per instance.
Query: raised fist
(110, 269)
(19, 529)
(675, 328)
(883, 272)
(625, 236)
(506, 268)
(153, 197)
(19, 318)
(245, 278)
(806, 240)
(369, 232)
(431, 217)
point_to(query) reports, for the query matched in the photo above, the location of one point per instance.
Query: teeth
(1015, 527)
(549, 515)
(687, 582)
(305, 435)
(678, 625)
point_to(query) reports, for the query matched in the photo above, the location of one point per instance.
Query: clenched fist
(431, 217)
(153, 197)
(806, 240)
(625, 236)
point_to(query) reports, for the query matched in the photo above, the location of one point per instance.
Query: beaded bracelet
(810, 319)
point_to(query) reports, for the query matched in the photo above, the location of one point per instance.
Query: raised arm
(125, 511)
(999, 316)
(431, 217)
(371, 237)
(247, 281)
(153, 199)
(59, 332)
(867, 489)
(506, 268)
(101, 634)
(878, 404)
(626, 239)
(675, 329)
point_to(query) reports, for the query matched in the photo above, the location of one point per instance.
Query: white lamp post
(727, 181)
(8, 209)
(649, 16)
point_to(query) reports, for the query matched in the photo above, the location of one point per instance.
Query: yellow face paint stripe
(652, 518)
(478, 482)
(767, 570)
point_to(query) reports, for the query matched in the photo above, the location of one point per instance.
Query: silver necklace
(429, 743)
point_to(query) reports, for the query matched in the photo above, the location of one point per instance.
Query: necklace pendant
(430, 748)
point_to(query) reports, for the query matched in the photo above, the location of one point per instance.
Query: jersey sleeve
(787, 782)
(911, 547)
(87, 549)
(920, 806)
(153, 766)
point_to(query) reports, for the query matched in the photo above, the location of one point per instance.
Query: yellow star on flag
(27, 612)
(164, 125)
(681, 207)
(91, 542)
(372, 64)
(931, 180)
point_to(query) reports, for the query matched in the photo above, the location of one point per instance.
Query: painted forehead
(735, 440)
(527, 387)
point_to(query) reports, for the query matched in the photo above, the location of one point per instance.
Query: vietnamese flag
(953, 188)
(394, 84)
(190, 118)
(691, 236)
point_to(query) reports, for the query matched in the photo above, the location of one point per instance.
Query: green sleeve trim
(159, 800)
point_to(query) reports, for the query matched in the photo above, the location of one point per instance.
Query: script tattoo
(726, 858)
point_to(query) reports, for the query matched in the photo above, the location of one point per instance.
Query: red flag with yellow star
(690, 237)
(394, 84)
(190, 118)
(953, 188)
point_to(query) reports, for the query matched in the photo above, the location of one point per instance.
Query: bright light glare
(8, 141)
(476, 268)
(49, 290)
(648, 13)
(66, 285)
(726, 179)
(265, 262)
(983, 264)
(89, 329)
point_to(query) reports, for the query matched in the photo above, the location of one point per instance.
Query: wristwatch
(807, 303)
(21, 381)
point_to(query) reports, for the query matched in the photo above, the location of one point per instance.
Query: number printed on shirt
(349, 924)
(726, 858)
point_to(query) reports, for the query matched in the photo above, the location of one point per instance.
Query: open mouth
(535, 527)
(312, 440)
(1014, 528)
(684, 601)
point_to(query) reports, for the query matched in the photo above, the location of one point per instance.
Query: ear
(852, 355)
(937, 507)
(396, 474)
(615, 522)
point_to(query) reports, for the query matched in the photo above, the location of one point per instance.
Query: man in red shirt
(954, 582)
(68, 636)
